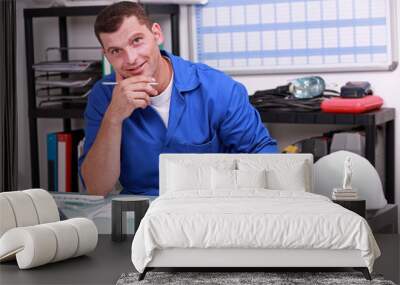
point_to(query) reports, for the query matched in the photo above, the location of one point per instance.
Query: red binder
(351, 105)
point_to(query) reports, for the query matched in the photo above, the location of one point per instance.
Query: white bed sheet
(251, 218)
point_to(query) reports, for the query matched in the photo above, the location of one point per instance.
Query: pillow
(293, 180)
(223, 179)
(281, 173)
(181, 177)
(228, 179)
(251, 178)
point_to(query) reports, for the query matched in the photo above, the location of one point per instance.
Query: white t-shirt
(161, 102)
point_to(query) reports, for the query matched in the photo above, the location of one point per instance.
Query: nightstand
(119, 207)
(357, 206)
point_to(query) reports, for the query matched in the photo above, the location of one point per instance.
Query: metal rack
(73, 78)
(68, 111)
(369, 121)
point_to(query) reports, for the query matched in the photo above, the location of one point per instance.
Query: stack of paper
(66, 66)
(344, 194)
(70, 83)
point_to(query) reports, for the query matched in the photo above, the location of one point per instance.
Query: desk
(368, 121)
(110, 259)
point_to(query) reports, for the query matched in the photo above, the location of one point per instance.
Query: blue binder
(52, 161)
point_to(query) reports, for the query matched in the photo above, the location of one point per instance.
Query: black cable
(280, 98)
(286, 102)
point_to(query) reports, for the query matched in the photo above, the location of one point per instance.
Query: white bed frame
(250, 258)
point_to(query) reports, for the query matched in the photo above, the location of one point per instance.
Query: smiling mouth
(137, 68)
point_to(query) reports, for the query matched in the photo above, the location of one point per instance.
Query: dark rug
(269, 278)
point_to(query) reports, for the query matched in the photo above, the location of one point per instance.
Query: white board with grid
(278, 36)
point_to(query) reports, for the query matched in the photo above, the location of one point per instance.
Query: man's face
(133, 49)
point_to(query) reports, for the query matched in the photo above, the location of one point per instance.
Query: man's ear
(158, 34)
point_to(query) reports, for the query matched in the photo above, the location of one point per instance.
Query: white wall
(385, 84)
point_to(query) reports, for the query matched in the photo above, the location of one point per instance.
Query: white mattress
(251, 218)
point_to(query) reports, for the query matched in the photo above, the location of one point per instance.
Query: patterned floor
(243, 278)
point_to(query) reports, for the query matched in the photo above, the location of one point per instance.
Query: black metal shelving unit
(66, 112)
(369, 121)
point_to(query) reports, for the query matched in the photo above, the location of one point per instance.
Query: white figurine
(348, 172)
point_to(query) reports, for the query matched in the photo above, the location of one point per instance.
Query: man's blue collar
(185, 75)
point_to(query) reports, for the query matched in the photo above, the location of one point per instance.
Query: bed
(246, 211)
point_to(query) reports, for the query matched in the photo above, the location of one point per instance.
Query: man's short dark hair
(110, 18)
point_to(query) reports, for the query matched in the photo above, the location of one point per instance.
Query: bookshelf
(68, 111)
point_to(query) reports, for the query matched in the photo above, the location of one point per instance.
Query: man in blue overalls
(155, 103)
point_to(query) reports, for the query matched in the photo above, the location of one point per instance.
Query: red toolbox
(351, 105)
